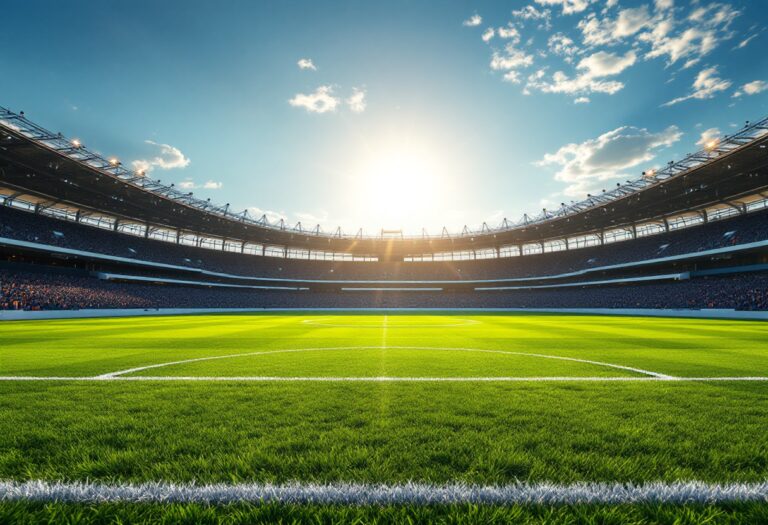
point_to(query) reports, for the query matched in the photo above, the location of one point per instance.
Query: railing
(75, 150)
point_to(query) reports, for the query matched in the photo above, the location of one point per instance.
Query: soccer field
(386, 409)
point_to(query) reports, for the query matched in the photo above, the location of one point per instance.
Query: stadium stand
(696, 237)
(50, 291)
(29, 227)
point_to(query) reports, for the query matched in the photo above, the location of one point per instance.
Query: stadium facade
(78, 230)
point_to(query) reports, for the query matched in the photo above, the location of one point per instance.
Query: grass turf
(193, 514)
(481, 433)
(670, 346)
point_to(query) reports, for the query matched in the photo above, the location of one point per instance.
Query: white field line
(321, 322)
(383, 347)
(383, 494)
(388, 379)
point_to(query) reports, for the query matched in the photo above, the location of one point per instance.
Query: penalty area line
(682, 492)
(384, 379)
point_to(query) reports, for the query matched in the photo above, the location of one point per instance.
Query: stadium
(167, 358)
(82, 232)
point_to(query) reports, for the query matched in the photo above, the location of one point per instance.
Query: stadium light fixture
(712, 144)
(76, 143)
(114, 162)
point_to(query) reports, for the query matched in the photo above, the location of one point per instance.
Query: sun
(400, 184)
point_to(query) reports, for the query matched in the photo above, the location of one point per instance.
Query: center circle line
(455, 349)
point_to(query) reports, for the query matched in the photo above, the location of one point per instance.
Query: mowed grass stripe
(680, 347)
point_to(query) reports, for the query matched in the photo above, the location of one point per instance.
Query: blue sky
(405, 114)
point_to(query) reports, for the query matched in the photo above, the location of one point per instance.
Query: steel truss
(75, 150)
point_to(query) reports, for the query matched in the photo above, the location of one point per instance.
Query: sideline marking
(381, 494)
(387, 379)
(451, 349)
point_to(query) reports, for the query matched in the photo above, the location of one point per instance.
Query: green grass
(670, 346)
(384, 432)
(188, 514)
(491, 433)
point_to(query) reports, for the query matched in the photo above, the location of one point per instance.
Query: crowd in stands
(32, 291)
(45, 291)
(22, 290)
(22, 225)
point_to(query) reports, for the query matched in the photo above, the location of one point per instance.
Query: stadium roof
(62, 171)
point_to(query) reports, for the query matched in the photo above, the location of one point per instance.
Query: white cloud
(594, 68)
(627, 23)
(744, 43)
(755, 87)
(560, 44)
(529, 12)
(562, 83)
(603, 64)
(714, 14)
(688, 39)
(473, 21)
(752, 88)
(356, 100)
(488, 34)
(306, 63)
(581, 100)
(512, 58)
(512, 76)
(509, 32)
(569, 6)
(692, 42)
(706, 85)
(707, 136)
(320, 101)
(272, 216)
(586, 167)
(189, 184)
(683, 34)
(165, 157)
(707, 27)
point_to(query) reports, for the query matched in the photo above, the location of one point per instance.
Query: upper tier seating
(21, 225)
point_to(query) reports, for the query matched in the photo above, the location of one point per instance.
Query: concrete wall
(79, 314)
